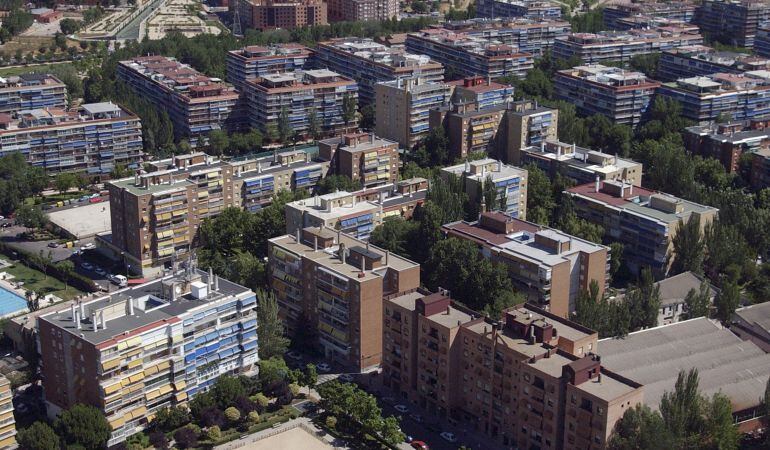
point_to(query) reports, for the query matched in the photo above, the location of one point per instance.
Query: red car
(95, 200)
(420, 445)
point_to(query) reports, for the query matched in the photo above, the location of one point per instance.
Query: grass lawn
(35, 280)
(10, 71)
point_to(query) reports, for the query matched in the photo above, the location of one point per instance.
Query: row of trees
(81, 426)
(19, 180)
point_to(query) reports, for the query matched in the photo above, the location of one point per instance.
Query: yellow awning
(134, 341)
(111, 364)
(108, 390)
(164, 365)
(135, 363)
(138, 412)
(117, 422)
(165, 389)
(137, 377)
(179, 212)
(152, 394)
(182, 396)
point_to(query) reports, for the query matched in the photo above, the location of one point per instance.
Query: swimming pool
(10, 303)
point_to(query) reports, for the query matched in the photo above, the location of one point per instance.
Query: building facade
(362, 157)
(581, 165)
(732, 21)
(368, 63)
(288, 14)
(92, 140)
(621, 95)
(644, 221)
(362, 10)
(403, 108)
(677, 10)
(304, 96)
(528, 380)
(195, 103)
(31, 91)
(510, 185)
(528, 35)
(700, 60)
(155, 345)
(333, 285)
(470, 130)
(592, 48)
(255, 61)
(7, 421)
(726, 142)
(470, 55)
(528, 124)
(530, 9)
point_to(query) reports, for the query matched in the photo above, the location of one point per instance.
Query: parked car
(96, 200)
(87, 266)
(53, 244)
(420, 445)
(323, 367)
(449, 437)
(403, 409)
(89, 246)
(294, 355)
(100, 271)
(120, 280)
(346, 377)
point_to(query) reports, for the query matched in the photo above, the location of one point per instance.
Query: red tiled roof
(589, 190)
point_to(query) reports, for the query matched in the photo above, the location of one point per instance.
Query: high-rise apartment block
(361, 10)
(7, 421)
(195, 103)
(621, 46)
(644, 221)
(357, 213)
(155, 215)
(699, 60)
(141, 349)
(528, 380)
(403, 108)
(549, 267)
(762, 40)
(621, 95)
(528, 124)
(333, 285)
(613, 14)
(735, 96)
(368, 63)
(470, 130)
(288, 14)
(510, 184)
(530, 9)
(470, 55)
(31, 91)
(480, 91)
(301, 95)
(362, 157)
(581, 165)
(726, 142)
(92, 140)
(528, 35)
(732, 21)
(255, 61)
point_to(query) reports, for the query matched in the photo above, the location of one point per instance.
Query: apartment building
(592, 48)
(528, 35)
(287, 14)
(362, 10)
(257, 179)
(737, 97)
(31, 91)
(470, 55)
(726, 142)
(368, 63)
(509, 182)
(528, 124)
(621, 95)
(195, 103)
(530, 9)
(762, 40)
(362, 157)
(528, 380)
(700, 60)
(470, 130)
(613, 14)
(581, 165)
(7, 421)
(652, 22)
(357, 213)
(333, 285)
(549, 267)
(644, 221)
(480, 91)
(732, 21)
(403, 108)
(135, 351)
(255, 61)
(91, 140)
(300, 94)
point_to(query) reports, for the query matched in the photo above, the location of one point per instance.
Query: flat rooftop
(758, 315)
(480, 169)
(725, 363)
(158, 309)
(84, 220)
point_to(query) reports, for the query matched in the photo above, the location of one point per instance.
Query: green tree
(331, 422)
(334, 183)
(720, 427)
(689, 247)
(219, 142)
(644, 301)
(65, 181)
(227, 390)
(284, 126)
(640, 428)
(727, 300)
(391, 431)
(120, 171)
(682, 410)
(396, 235)
(269, 326)
(70, 26)
(310, 376)
(368, 117)
(66, 268)
(349, 106)
(232, 414)
(433, 151)
(616, 261)
(540, 203)
(313, 125)
(31, 217)
(84, 425)
(698, 303)
(214, 433)
(38, 436)
(170, 418)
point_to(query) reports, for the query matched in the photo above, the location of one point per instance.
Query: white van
(120, 280)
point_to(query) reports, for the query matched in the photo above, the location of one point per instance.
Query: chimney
(77, 319)
(342, 252)
(73, 311)
(82, 311)
(448, 310)
(216, 283)
(131, 306)
(387, 256)
(94, 323)
(103, 320)
(597, 184)
(315, 243)
(630, 189)
(137, 181)
(209, 281)
(542, 147)
(499, 166)
(297, 235)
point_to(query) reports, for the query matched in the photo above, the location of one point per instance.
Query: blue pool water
(10, 302)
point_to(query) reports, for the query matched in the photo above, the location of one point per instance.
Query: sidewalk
(302, 422)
